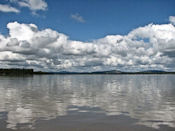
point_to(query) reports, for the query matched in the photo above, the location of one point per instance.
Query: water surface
(87, 102)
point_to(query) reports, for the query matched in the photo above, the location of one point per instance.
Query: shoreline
(17, 71)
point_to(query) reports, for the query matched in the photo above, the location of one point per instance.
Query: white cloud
(8, 8)
(148, 47)
(34, 5)
(77, 17)
(172, 19)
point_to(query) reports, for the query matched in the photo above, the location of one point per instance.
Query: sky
(87, 35)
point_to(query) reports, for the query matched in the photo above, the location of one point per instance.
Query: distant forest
(16, 71)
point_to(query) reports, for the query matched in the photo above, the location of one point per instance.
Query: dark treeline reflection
(148, 98)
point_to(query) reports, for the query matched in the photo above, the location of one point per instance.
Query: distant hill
(154, 71)
(109, 72)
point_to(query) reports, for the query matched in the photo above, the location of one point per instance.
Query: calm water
(70, 102)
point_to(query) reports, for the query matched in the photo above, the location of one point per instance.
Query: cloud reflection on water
(148, 98)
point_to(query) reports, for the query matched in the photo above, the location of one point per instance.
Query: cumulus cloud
(77, 17)
(172, 19)
(8, 8)
(148, 47)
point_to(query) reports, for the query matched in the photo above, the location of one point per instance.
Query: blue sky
(87, 35)
(101, 17)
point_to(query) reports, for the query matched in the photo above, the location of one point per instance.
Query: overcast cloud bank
(148, 47)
